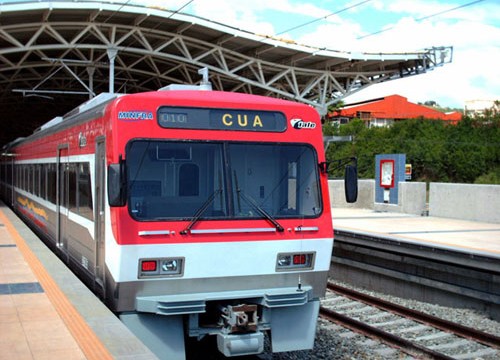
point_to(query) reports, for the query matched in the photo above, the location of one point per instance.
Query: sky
(471, 27)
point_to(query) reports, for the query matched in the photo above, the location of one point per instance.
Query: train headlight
(284, 260)
(295, 261)
(170, 266)
(161, 267)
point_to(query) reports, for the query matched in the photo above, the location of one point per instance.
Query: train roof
(182, 95)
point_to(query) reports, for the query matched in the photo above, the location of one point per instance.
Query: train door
(62, 195)
(100, 166)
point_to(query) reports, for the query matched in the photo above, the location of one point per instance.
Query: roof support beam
(155, 46)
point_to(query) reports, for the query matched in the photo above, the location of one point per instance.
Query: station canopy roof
(55, 55)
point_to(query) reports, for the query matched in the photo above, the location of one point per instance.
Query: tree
(437, 151)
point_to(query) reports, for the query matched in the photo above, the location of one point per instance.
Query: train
(190, 212)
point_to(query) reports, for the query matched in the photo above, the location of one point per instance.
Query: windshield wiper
(200, 211)
(253, 203)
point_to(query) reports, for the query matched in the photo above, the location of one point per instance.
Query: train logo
(135, 115)
(301, 124)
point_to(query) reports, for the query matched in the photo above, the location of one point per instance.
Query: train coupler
(239, 319)
(240, 335)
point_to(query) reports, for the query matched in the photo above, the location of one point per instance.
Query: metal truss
(70, 47)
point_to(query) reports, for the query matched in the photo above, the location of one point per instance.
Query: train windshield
(174, 180)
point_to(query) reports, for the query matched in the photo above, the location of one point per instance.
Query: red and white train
(190, 212)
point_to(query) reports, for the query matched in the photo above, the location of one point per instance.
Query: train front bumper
(289, 314)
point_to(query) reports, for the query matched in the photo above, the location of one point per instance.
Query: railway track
(412, 332)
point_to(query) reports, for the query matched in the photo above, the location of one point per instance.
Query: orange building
(386, 110)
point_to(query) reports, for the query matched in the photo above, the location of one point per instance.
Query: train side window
(72, 188)
(52, 182)
(27, 184)
(20, 172)
(44, 183)
(31, 179)
(36, 179)
(18, 176)
(84, 191)
(26, 178)
(27, 181)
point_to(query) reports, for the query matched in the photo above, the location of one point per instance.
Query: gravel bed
(334, 343)
(330, 346)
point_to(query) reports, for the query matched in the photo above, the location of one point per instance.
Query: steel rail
(392, 340)
(442, 324)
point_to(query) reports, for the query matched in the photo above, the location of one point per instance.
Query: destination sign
(221, 119)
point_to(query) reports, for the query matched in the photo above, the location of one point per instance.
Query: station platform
(470, 236)
(46, 312)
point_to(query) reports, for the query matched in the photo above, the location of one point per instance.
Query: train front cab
(234, 230)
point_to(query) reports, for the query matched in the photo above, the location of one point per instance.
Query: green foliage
(492, 177)
(437, 151)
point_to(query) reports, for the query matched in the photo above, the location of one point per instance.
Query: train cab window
(175, 180)
(189, 180)
(282, 180)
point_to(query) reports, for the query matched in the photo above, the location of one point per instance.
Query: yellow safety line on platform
(89, 343)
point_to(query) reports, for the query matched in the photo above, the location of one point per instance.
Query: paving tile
(21, 300)
(37, 313)
(8, 318)
(5, 238)
(48, 336)
(8, 312)
(73, 354)
(17, 350)
(7, 305)
(11, 333)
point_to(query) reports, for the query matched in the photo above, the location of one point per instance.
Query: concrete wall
(457, 201)
(465, 201)
(366, 194)
(412, 199)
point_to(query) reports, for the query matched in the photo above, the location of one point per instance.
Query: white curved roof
(59, 49)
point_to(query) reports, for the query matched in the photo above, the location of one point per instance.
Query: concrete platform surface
(46, 312)
(472, 236)
(30, 327)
